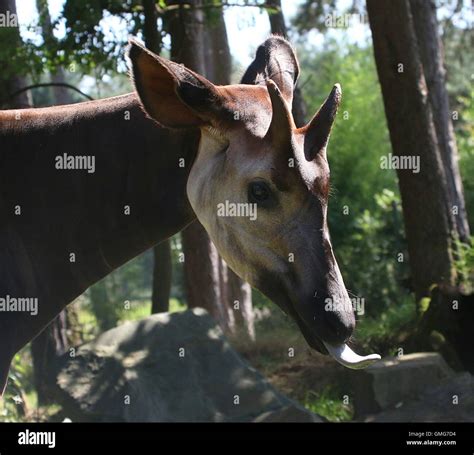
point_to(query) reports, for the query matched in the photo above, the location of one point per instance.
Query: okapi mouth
(341, 352)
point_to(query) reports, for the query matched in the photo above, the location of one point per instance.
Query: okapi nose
(335, 326)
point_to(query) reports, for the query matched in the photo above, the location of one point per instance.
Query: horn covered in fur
(282, 123)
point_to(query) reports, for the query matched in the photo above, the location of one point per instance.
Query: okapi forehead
(251, 112)
(249, 106)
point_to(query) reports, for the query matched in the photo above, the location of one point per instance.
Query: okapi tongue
(347, 357)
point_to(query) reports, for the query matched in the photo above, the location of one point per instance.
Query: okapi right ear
(170, 93)
(275, 60)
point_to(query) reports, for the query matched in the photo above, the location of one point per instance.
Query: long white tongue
(347, 357)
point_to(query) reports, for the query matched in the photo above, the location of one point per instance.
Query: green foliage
(388, 327)
(464, 264)
(14, 406)
(330, 404)
(126, 293)
(87, 43)
(464, 129)
(311, 15)
(373, 256)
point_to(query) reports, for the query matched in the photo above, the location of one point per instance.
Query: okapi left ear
(172, 94)
(275, 60)
(317, 131)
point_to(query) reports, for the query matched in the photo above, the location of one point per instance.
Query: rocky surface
(395, 380)
(416, 387)
(169, 368)
(450, 401)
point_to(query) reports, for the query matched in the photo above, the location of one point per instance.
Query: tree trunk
(278, 27)
(218, 59)
(10, 80)
(99, 300)
(61, 95)
(201, 260)
(150, 30)
(162, 263)
(431, 53)
(162, 275)
(239, 296)
(201, 272)
(412, 132)
(236, 294)
(426, 201)
(46, 349)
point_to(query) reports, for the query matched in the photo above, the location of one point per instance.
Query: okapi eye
(258, 192)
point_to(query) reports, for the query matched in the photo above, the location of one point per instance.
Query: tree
(236, 295)
(185, 24)
(199, 40)
(162, 276)
(61, 94)
(278, 27)
(412, 133)
(431, 53)
(12, 79)
(150, 27)
(162, 264)
(426, 197)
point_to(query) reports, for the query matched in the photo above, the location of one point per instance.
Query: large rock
(450, 401)
(393, 381)
(169, 368)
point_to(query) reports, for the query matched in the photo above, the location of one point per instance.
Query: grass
(329, 404)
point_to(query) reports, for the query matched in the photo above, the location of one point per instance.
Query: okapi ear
(275, 60)
(317, 131)
(171, 94)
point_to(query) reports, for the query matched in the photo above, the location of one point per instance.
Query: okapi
(171, 152)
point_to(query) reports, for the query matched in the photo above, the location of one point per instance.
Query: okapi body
(61, 230)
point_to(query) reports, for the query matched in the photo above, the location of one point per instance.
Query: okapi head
(252, 161)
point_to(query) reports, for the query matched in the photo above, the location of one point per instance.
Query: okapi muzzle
(260, 185)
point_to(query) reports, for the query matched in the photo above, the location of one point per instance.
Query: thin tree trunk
(431, 52)
(162, 275)
(239, 295)
(201, 272)
(46, 349)
(11, 81)
(236, 294)
(162, 263)
(201, 260)
(61, 95)
(278, 27)
(150, 31)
